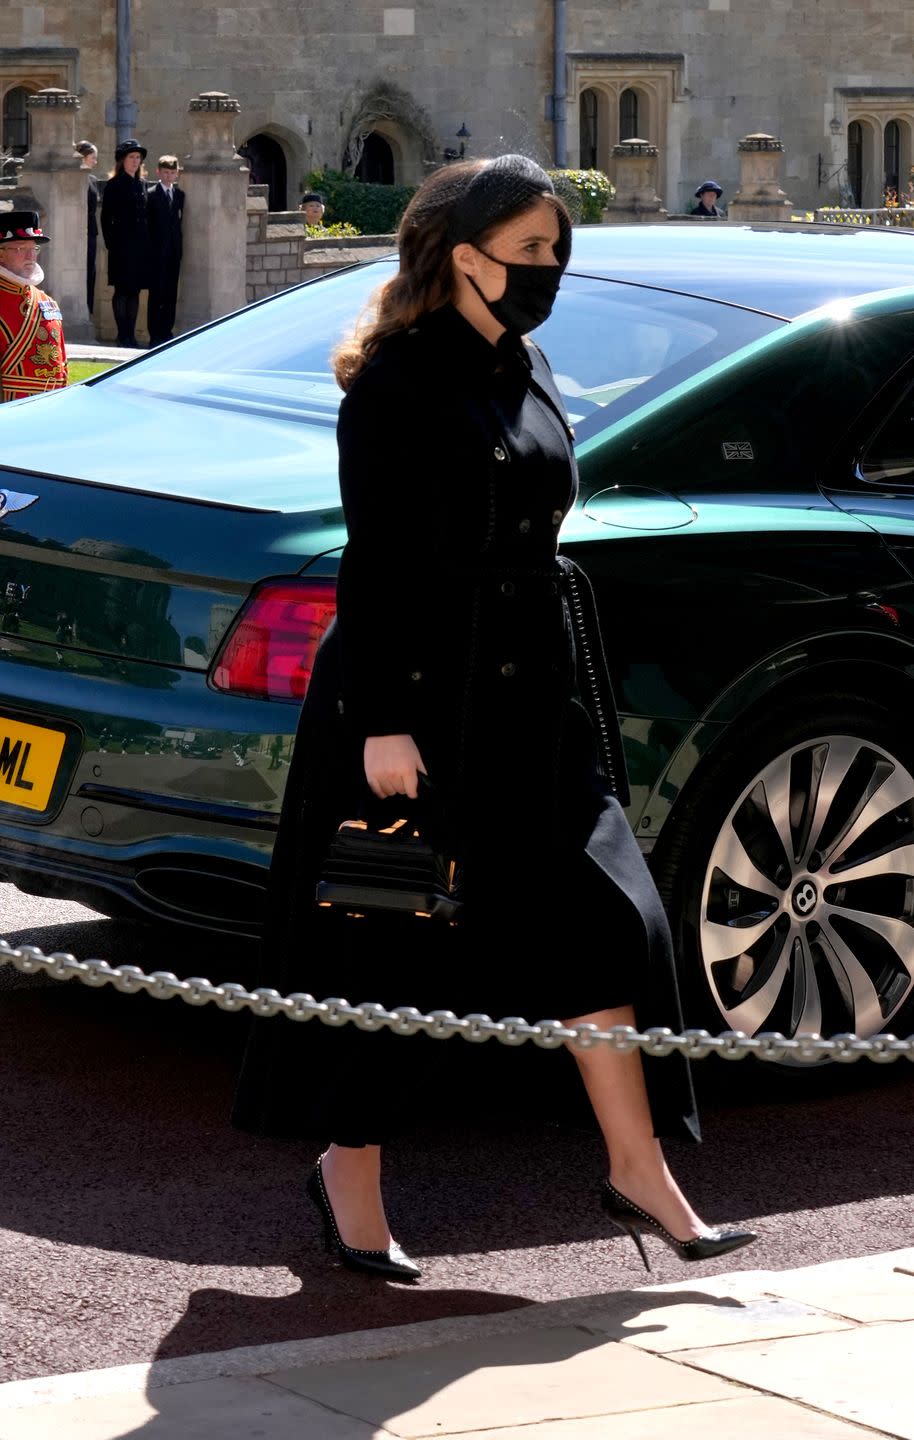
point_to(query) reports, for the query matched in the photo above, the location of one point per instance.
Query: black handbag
(398, 868)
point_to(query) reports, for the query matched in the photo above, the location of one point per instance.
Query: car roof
(781, 269)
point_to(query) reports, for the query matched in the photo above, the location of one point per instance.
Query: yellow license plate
(29, 757)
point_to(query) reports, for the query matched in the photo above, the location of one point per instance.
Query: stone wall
(279, 254)
(707, 73)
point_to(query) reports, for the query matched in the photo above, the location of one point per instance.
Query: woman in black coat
(124, 231)
(464, 650)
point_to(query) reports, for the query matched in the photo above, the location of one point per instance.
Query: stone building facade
(399, 87)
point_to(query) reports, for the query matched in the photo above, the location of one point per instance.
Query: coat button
(508, 669)
(524, 527)
(507, 587)
(416, 675)
(499, 453)
(557, 517)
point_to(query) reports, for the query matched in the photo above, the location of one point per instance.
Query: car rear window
(612, 347)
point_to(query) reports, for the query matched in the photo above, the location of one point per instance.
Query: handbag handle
(400, 816)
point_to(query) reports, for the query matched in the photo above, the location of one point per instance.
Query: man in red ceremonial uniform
(33, 357)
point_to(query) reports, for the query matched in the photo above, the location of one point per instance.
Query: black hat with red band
(17, 225)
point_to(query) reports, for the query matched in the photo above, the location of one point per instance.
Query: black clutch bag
(396, 868)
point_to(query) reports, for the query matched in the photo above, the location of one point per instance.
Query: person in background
(707, 195)
(164, 219)
(88, 154)
(312, 206)
(33, 356)
(126, 237)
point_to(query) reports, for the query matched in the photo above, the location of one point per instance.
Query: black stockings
(126, 305)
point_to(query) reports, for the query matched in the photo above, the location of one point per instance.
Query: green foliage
(339, 229)
(372, 209)
(586, 193)
(85, 369)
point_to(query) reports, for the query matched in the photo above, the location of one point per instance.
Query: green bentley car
(743, 399)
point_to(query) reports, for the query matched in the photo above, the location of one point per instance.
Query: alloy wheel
(807, 909)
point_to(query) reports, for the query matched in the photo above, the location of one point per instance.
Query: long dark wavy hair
(425, 280)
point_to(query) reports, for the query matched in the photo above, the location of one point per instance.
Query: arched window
(15, 136)
(855, 160)
(891, 156)
(589, 111)
(376, 164)
(628, 115)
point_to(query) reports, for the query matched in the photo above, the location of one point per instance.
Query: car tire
(788, 874)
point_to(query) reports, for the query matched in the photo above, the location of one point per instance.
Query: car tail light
(269, 651)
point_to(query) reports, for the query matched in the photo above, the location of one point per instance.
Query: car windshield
(612, 347)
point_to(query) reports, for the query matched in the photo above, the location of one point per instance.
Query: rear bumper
(171, 803)
(184, 884)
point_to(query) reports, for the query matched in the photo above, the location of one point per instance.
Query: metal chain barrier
(443, 1024)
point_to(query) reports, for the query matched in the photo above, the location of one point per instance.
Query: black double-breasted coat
(123, 221)
(164, 220)
(457, 624)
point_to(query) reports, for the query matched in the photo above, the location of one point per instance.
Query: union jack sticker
(738, 450)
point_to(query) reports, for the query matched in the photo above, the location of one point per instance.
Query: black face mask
(530, 292)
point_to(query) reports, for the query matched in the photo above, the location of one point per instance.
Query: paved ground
(135, 1224)
(100, 351)
(814, 1354)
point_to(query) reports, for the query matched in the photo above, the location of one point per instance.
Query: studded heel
(632, 1220)
(392, 1264)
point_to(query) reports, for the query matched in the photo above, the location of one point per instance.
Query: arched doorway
(268, 167)
(376, 164)
(15, 129)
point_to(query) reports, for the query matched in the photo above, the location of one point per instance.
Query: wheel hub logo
(805, 898)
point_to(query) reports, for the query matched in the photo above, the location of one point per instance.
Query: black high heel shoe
(633, 1220)
(392, 1263)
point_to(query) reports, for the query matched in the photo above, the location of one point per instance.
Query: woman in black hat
(707, 195)
(464, 651)
(124, 230)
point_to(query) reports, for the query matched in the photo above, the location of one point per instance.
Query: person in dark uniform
(88, 154)
(126, 238)
(707, 195)
(164, 217)
(466, 651)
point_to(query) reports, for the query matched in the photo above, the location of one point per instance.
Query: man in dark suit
(164, 214)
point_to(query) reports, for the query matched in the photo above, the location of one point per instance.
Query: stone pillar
(52, 173)
(760, 196)
(636, 195)
(214, 267)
